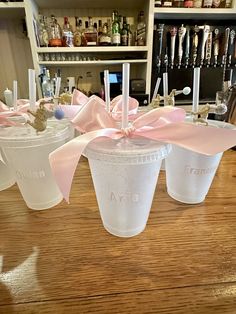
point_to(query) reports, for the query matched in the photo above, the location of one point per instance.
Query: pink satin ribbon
(164, 124)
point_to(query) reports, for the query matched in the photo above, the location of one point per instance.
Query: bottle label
(105, 39)
(207, 3)
(216, 3)
(167, 4)
(197, 4)
(77, 40)
(116, 38)
(124, 40)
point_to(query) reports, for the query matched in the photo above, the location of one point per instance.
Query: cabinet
(87, 71)
(86, 63)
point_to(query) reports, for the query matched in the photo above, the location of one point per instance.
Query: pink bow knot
(127, 132)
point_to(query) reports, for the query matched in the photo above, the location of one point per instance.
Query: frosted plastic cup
(27, 155)
(189, 175)
(125, 175)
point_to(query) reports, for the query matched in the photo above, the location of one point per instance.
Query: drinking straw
(107, 89)
(165, 88)
(125, 94)
(32, 88)
(156, 88)
(196, 84)
(58, 86)
(15, 95)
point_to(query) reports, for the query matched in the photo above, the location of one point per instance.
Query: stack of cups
(189, 175)
(27, 155)
(125, 174)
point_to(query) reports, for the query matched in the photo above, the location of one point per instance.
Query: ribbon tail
(205, 140)
(64, 160)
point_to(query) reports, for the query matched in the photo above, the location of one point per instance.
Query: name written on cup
(199, 171)
(29, 174)
(124, 197)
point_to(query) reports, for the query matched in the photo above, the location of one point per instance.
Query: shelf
(193, 13)
(97, 62)
(95, 49)
(87, 4)
(10, 10)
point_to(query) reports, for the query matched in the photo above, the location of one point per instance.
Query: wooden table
(62, 260)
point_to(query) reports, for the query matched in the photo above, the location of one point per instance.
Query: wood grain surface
(62, 260)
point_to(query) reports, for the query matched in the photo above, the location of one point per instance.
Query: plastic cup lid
(127, 150)
(27, 136)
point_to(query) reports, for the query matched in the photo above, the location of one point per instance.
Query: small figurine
(201, 115)
(41, 115)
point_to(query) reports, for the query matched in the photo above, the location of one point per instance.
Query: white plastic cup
(189, 175)
(7, 178)
(125, 175)
(27, 155)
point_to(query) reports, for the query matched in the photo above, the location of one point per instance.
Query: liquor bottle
(67, 34)
(47, 90)
(197, 3)
(55, 36)
(167, 3)
(141, 30)
(78, 32)
(178, 3)
(188, 3)
(116, 40)
(158, 3)
(207, 3)
(104, 38)
(90, 33)
(228, 4)
(124, 33)
(42, 31)
(130, 36)
(216, 3)
(99, 28)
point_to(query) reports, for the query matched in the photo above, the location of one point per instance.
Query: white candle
(15, 95)
(58, 86)
(125, 94)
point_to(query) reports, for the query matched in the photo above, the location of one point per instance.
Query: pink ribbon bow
(79, 100)
(164, 124)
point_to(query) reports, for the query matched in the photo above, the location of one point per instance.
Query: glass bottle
(115, 29)
(197, 3)
(99, 28)
(130, 36)
(105, 38)
(228, 4)
(90, 33)
(178, 3)
(47, 89)
(158, 3)
(43, 33)
(67, 34)
(188, 3)
(141, 30)
(78, 32)
(55, 36)
(124, 33)
(207, 3)
(215, 3)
